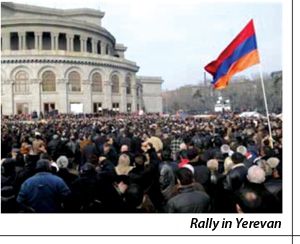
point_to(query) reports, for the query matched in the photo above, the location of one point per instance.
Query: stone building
(65, 60)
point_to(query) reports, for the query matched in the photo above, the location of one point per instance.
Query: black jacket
(189, 201)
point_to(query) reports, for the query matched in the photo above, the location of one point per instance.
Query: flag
(240, 54)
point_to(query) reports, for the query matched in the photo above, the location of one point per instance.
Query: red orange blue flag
(240, 54)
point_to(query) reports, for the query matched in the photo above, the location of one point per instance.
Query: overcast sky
(175, 39)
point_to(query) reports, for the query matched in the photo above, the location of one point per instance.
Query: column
(133, 94)
(38, 40)
(123, 105)
(62, 102)
(21, 40)
(107, 103)
(70, 42)
(54, 41)
(94, 46)
(5, 41)
(35, 89)
(82, 45)
(7, 97)
(103, 51)
(87, 98)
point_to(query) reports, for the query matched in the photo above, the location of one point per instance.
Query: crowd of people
(140, 164)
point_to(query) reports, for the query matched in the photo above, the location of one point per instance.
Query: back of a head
(139, 159)
(256, 174)
(212, 165)
(88, 169)
(182, 154)
(8, 166)
(134, 195)
(43, 165)
(237, 158)
(249, 202)
(62, 162)
(166, 155)
(192, 153)
(185, 176)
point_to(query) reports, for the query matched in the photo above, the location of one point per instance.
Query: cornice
(124, 66)
(63, 23)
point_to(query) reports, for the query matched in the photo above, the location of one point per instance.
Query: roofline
(53, 11)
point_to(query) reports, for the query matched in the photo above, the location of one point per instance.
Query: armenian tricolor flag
(240, 54)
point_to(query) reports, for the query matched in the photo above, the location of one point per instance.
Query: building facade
(65, 60)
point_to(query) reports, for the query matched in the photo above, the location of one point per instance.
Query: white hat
(241, 150)
(53, 164)
(62, 162)
(212, 164)
(190, 167)
(225, 148)
(256, 174)
(273, 162)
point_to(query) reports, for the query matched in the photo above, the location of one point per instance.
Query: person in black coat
(237, 176)
(147, 175)
(63, 172)
(85, 193)
(188, 200)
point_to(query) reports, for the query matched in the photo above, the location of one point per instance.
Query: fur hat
(256, 174)
(62, 162)
(212, 164)
(190, 167)
(273, 162)
(242, 150)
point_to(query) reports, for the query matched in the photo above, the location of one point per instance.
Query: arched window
(128, 85)
(22, 82)
(96, 82)
(48, 81)
(74, 81)
(115, 84)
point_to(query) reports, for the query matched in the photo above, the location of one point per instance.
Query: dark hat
(192, 153)
(237, 158)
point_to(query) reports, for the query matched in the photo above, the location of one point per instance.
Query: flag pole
(266, 104)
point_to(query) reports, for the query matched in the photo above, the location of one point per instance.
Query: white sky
(175, 39)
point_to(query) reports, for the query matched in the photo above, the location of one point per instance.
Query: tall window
(22, 82)
(107, 49)
(48, 81)
(29, 40)
(115, 84)
(14, 41)
(96, 82)
(74, 81)
(46, 38)
(128, 85)
(89, 45)
(62, 41)
(76, 43)
(99, 47)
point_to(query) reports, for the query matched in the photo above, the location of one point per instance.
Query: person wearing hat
(43, 192)
(62, 163)
(256, 177)
(274, 182)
